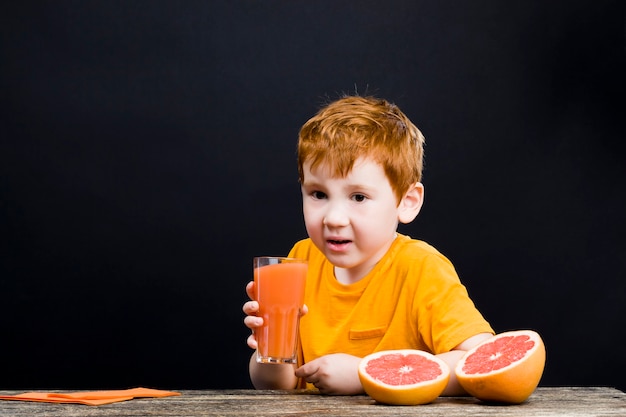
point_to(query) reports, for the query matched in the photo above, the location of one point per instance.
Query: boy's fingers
(250, 289)
(252, 342)
(252, 322)
(250, 307)
(306, 371)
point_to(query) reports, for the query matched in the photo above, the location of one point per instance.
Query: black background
(148, 153)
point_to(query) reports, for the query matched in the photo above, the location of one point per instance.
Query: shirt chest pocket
(367, 334)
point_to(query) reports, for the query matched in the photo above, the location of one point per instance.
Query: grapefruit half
(505, 368)
(403, 377)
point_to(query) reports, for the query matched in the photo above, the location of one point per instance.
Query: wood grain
(546, 401)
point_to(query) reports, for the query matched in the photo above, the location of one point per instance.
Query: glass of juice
(279, 286)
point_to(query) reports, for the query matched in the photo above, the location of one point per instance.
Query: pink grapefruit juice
(280, 293)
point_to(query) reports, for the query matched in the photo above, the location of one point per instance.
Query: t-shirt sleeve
(445, 314)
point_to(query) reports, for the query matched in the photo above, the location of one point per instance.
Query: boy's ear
(411, 203)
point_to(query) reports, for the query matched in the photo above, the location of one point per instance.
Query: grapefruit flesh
(403, 377)
(506, 368)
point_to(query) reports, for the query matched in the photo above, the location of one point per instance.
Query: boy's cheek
(310, 216)
(311, 230)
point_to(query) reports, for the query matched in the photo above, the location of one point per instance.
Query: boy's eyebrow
(350, 187)
(310, 184)
(363, 187)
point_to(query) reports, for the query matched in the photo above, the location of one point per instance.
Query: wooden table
(544, 402)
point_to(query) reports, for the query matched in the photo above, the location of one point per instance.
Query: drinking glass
(279, 286)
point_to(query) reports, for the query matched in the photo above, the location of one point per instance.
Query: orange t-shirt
(411, 299)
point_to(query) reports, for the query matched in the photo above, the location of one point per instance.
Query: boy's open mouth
(336, 245)
(338, 242)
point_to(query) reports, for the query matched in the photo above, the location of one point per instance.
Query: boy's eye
(359, 198)
(318, 195)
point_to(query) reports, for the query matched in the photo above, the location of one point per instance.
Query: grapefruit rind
(511, 384)
(423, 392)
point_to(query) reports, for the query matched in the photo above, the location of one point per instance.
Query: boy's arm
(272, 376)
(453, 357)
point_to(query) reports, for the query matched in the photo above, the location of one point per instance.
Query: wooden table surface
(562, 401)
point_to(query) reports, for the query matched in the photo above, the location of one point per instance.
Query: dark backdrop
(147, 154)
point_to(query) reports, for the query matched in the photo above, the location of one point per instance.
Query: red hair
(356, 127)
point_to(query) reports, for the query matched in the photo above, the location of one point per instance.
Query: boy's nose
(336, 217)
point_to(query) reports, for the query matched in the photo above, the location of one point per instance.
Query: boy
(368, 287)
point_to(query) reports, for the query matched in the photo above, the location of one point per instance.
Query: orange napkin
(89, 398)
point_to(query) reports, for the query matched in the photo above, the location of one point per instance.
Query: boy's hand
(335, 374)
(251, 321)
(251, 308)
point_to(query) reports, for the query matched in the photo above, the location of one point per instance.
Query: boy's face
(352, 220)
